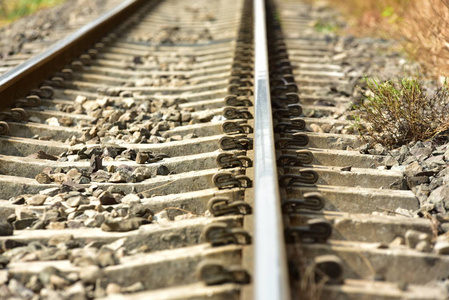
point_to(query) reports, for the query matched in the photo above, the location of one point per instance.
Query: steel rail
(270, 264)
(17, 82)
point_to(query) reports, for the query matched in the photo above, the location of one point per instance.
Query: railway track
(141, 161)
(371, 253)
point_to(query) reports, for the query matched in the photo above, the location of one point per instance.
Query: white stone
(52, 122)
(80, 99)
(161, 217)
(130, 198)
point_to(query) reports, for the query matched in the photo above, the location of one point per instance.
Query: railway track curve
(170, 150)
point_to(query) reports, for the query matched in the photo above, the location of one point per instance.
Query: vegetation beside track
(421, 26)
(397, 112)
(11, 10)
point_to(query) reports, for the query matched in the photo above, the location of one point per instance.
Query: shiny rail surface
(271, 276)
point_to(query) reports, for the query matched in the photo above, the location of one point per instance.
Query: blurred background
(421, 26)
(11, 10)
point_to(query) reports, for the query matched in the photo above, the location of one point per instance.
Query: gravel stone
(25, 223)
(36, 200)
(58, 282)
(364, 148)
(57, 225)
(75, 224)
(316, 128)
(190, 136)
(412, 169)
(74, 174)
(51, 192)
(46, 273)
(100, 176)
(441, 247)
(377, 150)
(413, 237)
(139, 210)
(76, 291)
(77, 201)
(120, 225)
(59, 177)
(18, 289)
(19, 200)
(161, 217)
(34, 284)
(10, 244)
(390, 161)
(4, 274)
(130, 198)
(58, 239)
(84, 257)
(414, 181)
(90, 274)
(4, 261)
(134, 288)
(73, 186)
(96, 163)
(446, 154)
(113, 288)
(24, 213)
(43, 178)
(440, 195)
(106, 257)
(43, 155)
(66, 121)
(11, 218)
(141, 173)
(162, 170)
(141, 158)
(423, 246)
(120, 177)
(398, 241)
(106, 198)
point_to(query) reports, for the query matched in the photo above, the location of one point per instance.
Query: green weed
(325, 26)
(400, 111)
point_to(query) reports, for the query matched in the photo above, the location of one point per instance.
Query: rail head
(271, 276)
(17, 82)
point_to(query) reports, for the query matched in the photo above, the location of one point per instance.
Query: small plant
(325, 26)
(400, 111)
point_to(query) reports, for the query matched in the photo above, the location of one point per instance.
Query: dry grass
(307, 287)
(368, 17)
(427, 32)
(397, 112)
(422, 26)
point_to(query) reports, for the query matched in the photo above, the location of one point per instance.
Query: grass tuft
(397, 112)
